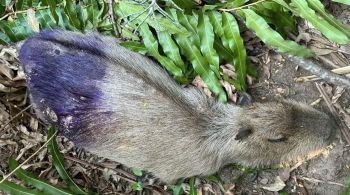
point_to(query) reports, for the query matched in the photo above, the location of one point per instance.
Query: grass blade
(15, 189)
(36, 182)
(58, 161)
(177, 190)
(193, 190)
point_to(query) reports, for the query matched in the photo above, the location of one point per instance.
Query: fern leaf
(4, 39)
(44, 19)
(346, 2)
(216, 20)
(271, 37)
(152, 47)
(278, 16)
(70, 10)
(52, 5)
(138, 14)
(332, 33)
(234, 3)
(184, 21)
(319, 7)
(171, 49)
(201, 66)
(19, 5)
(206, 35)
(185, 4)
(134, 46)
(235, 44)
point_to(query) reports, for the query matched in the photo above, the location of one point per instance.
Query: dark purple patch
(62, 69)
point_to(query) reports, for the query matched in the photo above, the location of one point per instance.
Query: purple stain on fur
(62, 73)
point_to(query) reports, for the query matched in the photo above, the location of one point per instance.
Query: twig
(150, 9)
(318, 70)
(111, 14)
(18, 114)
(23, 11)
(122, 174)
(342, 70)
(15, 107)
(341, 124)
(320, 181)
(241, 7)
(28, 159)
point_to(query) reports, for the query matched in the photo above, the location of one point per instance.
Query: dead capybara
(123, 106)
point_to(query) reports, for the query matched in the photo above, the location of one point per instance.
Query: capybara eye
(277, 139)
(243, 133)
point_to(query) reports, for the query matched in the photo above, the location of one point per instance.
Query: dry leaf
(228, 189)
(32, 22)
(275, 187)
(337, 94)
(5, 69)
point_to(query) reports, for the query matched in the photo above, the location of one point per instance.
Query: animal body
(123, 106)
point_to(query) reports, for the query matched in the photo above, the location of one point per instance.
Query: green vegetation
(38, 186)
(186, 38)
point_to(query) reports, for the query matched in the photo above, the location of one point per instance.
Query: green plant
(39, 186)
(347, 186)
(186, 38)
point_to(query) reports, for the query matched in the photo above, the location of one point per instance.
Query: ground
(21, 134)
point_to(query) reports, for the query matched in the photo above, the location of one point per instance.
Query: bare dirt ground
(21, 133)
(324, 174)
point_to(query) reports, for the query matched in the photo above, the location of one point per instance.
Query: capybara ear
(62, 70)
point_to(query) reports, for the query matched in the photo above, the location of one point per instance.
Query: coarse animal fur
(123, 106)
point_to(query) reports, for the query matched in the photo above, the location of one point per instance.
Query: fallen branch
(318, 70)
(341, 71)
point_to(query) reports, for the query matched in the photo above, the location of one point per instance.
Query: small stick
(341, 123)
(17, 115)
(241, 7)
(129, 178)
(318, 70)
(320, 181)
(342, 70)
(111, 14)
(28, 159)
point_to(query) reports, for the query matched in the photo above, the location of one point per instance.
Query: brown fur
(146, 120)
